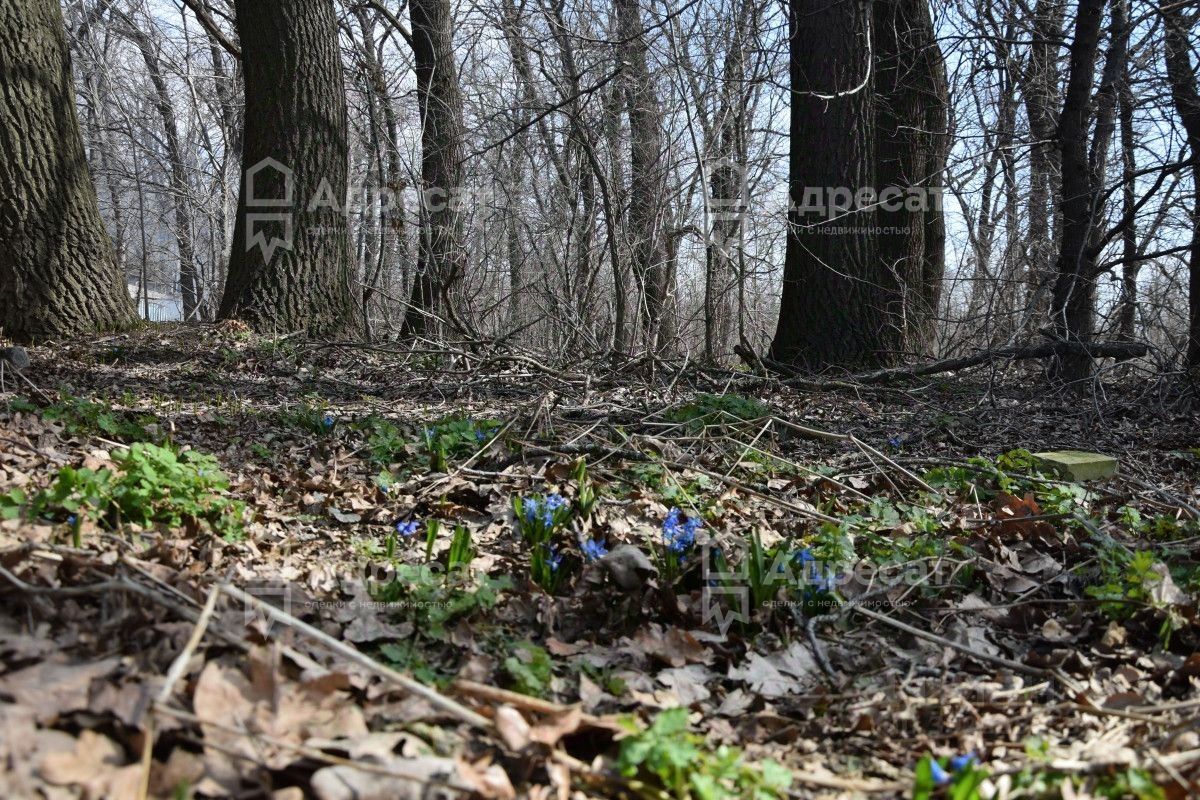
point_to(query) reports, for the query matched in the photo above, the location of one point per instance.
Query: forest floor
(234, 566)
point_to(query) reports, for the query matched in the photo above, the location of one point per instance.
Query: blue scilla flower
(676, 536)
(593, 550)
(530, 504)
(71, 519)
(825, 582)
(683, 542)
(895, 441)
(959, 763)
(553, 558)
(938, 772)
(480, 434)
(406, 529)
(803, 556)
(550, 506)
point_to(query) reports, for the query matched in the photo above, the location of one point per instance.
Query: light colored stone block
(1078, 465)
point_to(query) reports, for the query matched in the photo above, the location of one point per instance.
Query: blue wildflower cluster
(546, 511)
(545, 566)
(407, 528)
(327, 422)
(957, 764)
(537, 519)
(812, 573)
(593, 550)
(679, 535)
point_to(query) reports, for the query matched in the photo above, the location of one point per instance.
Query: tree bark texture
(647, 171)
(1182, 77)
(290, 267)
(441, 259)
(1074, 299)
(58, 276)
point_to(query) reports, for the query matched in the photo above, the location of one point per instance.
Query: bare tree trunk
(580, 150)
(231, 129)
(613, 193)
(1182, 77)
(190, 286)
(391, 248)
(441, 258)
(831, 310)
(523, 105)
(97, 127)
(1127, 305)
(647, 171)
(57, 272)
(911, 118)
(993, 286)
(982, 234)
(1040, 87)
(1073, 304)
(290, 267)
(728, 187)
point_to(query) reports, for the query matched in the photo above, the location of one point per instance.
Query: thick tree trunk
(1182, 77)
(57, 272)
(441, 258)
(647, 172)
(290, 266)
(1073, 302)
(833, 310)
(866, 237)
(911, 101)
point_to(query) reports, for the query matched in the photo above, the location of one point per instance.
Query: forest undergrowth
(243, 566)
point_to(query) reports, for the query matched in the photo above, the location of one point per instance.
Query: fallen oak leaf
(1014, 518)
(554, 727)
(676, 647)
(54, 687)
(97, 764)
(512, 727)
(424, 778)
(487, 779)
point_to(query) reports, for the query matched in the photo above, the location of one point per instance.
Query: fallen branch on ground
(1121, 351)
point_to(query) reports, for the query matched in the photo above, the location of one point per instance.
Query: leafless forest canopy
(623, 168)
